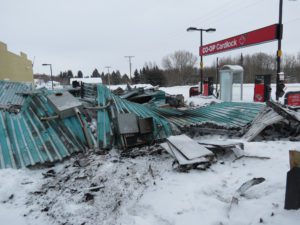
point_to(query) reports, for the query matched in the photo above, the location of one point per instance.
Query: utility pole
(108, 75)
(217, 67)
(279, 52)
(129, 59)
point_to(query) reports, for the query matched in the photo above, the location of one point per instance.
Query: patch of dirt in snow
(92, 189)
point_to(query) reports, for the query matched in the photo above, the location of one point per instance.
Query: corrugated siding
(9, 90)
(105, 132)
(227, 114)
(27, 141)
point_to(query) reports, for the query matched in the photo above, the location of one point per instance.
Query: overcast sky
(88, 34)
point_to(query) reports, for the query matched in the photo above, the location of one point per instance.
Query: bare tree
(179, 66)
(290, 68)
(179, 60)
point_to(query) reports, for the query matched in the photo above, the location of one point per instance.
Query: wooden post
(294, 158)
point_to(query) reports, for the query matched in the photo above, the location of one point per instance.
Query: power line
(217, 15)
(215, 11)
(232, 11)
(291, 21)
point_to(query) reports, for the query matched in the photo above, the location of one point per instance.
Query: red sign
(292, 98)
(262, 35)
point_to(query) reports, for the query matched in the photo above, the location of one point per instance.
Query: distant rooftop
(89, 80)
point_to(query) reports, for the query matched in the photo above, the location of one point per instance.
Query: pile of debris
(42, 126)
(275, 119)
(124, 124)
(47, 126)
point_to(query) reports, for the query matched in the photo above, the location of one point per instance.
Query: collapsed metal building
(125, 124)
(28, 135)
(41, 126)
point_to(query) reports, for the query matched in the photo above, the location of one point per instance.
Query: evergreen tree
(95, 73)
(125, 79)
(69, 74)
(153, 75)
(104, 78)
(136, 77)
(115, 77)
(79, 74)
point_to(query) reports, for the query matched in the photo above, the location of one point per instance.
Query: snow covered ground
(248, 92)
(146, 190)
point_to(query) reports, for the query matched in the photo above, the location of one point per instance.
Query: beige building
(14, 67)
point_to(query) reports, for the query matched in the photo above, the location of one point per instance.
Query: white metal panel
(180, 158)
(188, 147)
(260, 123)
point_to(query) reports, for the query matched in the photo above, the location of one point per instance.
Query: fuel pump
(262, 88)
(208, 86)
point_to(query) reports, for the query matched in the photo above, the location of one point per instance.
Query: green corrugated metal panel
(228, 114)
(9, 90)
(27, 141)
(104, 129)
(106, 135)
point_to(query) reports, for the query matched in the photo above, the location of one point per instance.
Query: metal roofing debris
(275, 113)
(235, 147)
(89, 92)
(188, 147)
(26, 140)
(180, 158)
(264, 119)
(112, 105)
(64, 103)
(39, 133)
(9, 93)
(290, 115)
(227, 114)
(241, 191)
(167, 121)
(187, 155)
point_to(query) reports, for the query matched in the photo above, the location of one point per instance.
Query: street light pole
(217, 69)
(201, 44)
(48, 64)
(129, 59)
(201, 62)
(279, 51)
(279, 79)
